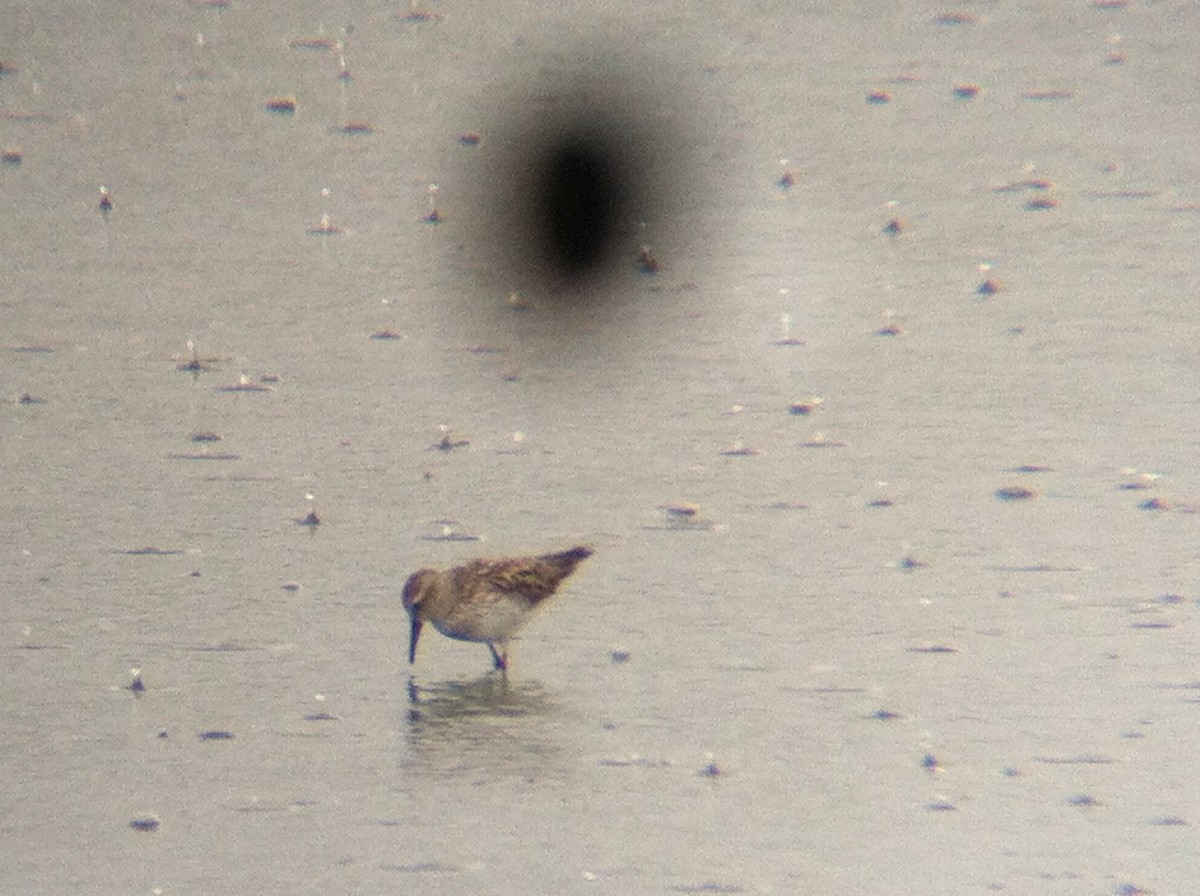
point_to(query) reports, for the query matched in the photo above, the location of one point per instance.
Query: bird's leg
(499, 660)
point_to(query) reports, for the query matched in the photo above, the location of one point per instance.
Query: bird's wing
(529, 576)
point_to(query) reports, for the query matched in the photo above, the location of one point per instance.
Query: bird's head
(414, 588)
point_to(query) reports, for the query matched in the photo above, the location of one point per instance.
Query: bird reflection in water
(490, 726)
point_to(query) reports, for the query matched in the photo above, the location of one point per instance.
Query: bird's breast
(490, 616)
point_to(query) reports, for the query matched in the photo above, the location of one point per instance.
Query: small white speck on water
(710, 769)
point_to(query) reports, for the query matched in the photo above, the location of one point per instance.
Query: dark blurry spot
(580, 193)
(1048, 95)
(708, 886)
(319, 42)
(282, 105)
(1169, 821)
(416, 14)
(584, 169)
(804, 408)
(932, 648)
(956, 18)
(1015, 493)
(578, 198)
(354, 129)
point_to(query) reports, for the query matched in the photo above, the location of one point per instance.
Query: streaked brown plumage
(486, 600)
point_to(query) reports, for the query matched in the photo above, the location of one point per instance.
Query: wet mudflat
(934, 633)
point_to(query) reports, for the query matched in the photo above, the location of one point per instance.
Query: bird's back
(531, 578)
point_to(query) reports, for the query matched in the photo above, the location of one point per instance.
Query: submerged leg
(499, 660)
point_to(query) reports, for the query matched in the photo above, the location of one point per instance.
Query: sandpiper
(486, 600)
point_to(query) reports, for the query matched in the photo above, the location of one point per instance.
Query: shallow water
(860, 671)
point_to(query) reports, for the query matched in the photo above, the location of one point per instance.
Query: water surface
(861, 671)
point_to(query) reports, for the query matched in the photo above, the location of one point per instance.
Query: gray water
(860, 672)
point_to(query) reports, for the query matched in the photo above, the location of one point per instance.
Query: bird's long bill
(412, 639)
